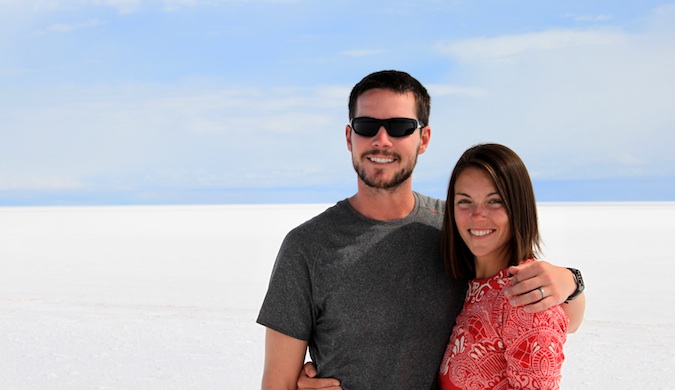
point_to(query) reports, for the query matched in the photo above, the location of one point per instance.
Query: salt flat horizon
(624, 189)
(165, 296)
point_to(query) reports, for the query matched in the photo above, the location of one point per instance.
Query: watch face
(579, 278)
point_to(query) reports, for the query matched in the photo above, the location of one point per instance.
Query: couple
(364, 286)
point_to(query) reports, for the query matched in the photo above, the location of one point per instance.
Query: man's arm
(557, 283)
(284, 356)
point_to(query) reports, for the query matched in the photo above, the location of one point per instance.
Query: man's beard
(399, 178)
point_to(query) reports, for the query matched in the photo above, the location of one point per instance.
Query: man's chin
(382, 179)
(383, 183)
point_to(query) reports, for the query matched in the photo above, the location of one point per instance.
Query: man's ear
(426, 136)
(348, 136)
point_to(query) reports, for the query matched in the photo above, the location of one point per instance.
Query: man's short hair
(397, 81)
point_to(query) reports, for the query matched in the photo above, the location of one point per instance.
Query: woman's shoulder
(520, 321)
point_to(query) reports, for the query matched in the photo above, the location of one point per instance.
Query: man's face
(382, 161)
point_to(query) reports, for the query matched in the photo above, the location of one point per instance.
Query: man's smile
(381, 160)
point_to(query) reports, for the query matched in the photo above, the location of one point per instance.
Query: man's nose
(382, 137)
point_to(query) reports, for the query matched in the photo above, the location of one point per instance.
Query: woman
(490, 223)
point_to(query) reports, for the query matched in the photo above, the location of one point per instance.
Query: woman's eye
(463, 202)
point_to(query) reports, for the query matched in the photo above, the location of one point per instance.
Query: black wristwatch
(580, 284)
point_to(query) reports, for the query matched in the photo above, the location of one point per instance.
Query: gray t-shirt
(370, 297)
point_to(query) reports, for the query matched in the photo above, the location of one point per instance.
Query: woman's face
(481, 217)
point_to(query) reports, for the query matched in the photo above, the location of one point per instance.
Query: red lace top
(497, 346)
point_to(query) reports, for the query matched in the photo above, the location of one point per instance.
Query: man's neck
(383, 205)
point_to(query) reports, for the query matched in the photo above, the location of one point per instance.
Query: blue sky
(216, 101)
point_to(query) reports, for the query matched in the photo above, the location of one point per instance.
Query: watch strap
(580, 284)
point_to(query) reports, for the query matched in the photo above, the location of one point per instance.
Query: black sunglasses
(396, 127)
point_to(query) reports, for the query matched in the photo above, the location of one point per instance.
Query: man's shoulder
(323, 220)
(434, 205)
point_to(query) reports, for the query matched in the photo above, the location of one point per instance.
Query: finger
(522, 286)
(309, 369)
(319, 383)
(515, 269)
(521, 273)
(541, 305)
(529, 279)
(528, 298)
(530, 269)
(307, 380)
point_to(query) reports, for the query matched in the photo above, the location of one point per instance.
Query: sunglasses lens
(396, 127)
(366, 127)
(401, 127)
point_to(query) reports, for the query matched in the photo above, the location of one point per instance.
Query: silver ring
(541, 290)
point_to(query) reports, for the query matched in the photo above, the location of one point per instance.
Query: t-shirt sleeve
(534, 347)
(287, 307)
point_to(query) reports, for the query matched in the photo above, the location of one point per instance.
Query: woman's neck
(488, 266)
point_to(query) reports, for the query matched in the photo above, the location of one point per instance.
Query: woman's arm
(284, 356)
(575, 312)
(557, 283)
(534, 348)
(308, 380)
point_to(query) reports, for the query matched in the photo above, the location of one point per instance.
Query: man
(362, 284)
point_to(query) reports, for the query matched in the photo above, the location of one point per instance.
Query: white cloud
(131, 6)
(172, 5)
(575, 104)
(361, 53)
(17, 182)
(123, 6)
(438, 90)
(12, 71)
(182, 135)
(509, 46)
(589, 18)
(65, 27)
(43, 6)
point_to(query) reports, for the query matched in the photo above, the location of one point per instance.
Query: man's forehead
(380, 99)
